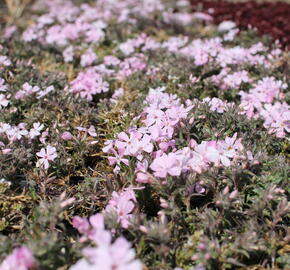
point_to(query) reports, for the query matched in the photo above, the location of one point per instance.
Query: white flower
(35, 131)
(226, 26)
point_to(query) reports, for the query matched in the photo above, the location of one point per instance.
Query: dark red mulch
(268, 18)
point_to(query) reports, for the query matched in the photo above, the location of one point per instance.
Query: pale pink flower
(92, 131)
(142, 176)
(88, 58)
(166, 165)
(20, 259)
(26, 90)
(202, 16)
(9, 31)
(115, 256)
(118, 158)
(111, 60)
(3, 101)
(4, 61)
(122, 204)
(89, 83)
(46, 155)
(16, 133)
(66, 136)
(68, 54)
(226, 26)
(44, 92)
(3, 86)
(35, 131)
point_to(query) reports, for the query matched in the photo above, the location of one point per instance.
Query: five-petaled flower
(46, 155)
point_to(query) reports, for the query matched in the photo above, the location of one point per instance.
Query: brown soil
(268, 18)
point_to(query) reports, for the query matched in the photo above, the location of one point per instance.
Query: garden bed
(269, 18)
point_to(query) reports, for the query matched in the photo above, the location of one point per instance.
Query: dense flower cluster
(107, 255)
(88, 83)
(162, 116)
(160, 126)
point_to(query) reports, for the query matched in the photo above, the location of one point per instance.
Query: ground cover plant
(138, 135)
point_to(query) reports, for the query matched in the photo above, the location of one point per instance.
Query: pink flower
(46, 156)
(277, 118)
(88, 83)
(16, 133)
(35, 131)
(26, 90)
(66, 136)
(115, 256)
(81, 224)
(44, 92)
(9, 31)
(111, 60)
(208, 152)
(68, 54)
(131, 65)
(92, 131)
(20, 259)
(122, 204)
(117, 159)
(88, 58)
(202, 16)
(142, 176)
(3, 101)
(4, 61)
(3, 86)
(166, 165)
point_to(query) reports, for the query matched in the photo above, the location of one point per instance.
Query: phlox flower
(91, 130)
(3, 86)
(109, 146)
(88, 83)
(134, 145)
(94, 35)
(9, 31)
(111, 60)
(16, 133)
(26, 90)
(202, 16)
(46, 155)
(277, 118)
(20, 259)
(116, 256)
(35, 131)
(88, 58)
(68, 54)
(44, 92)
(236, 79)
(66, 136)
(142, 176)
(4, 61)
(131, 65)
(268, 89)
(30, 34)
(92, 228)
(166, 165)
(117, 159)
(154, 116)
(217, 105)
(122, 204)
(3, 101)
(226, 26)
(117, 94)
(208, 152)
